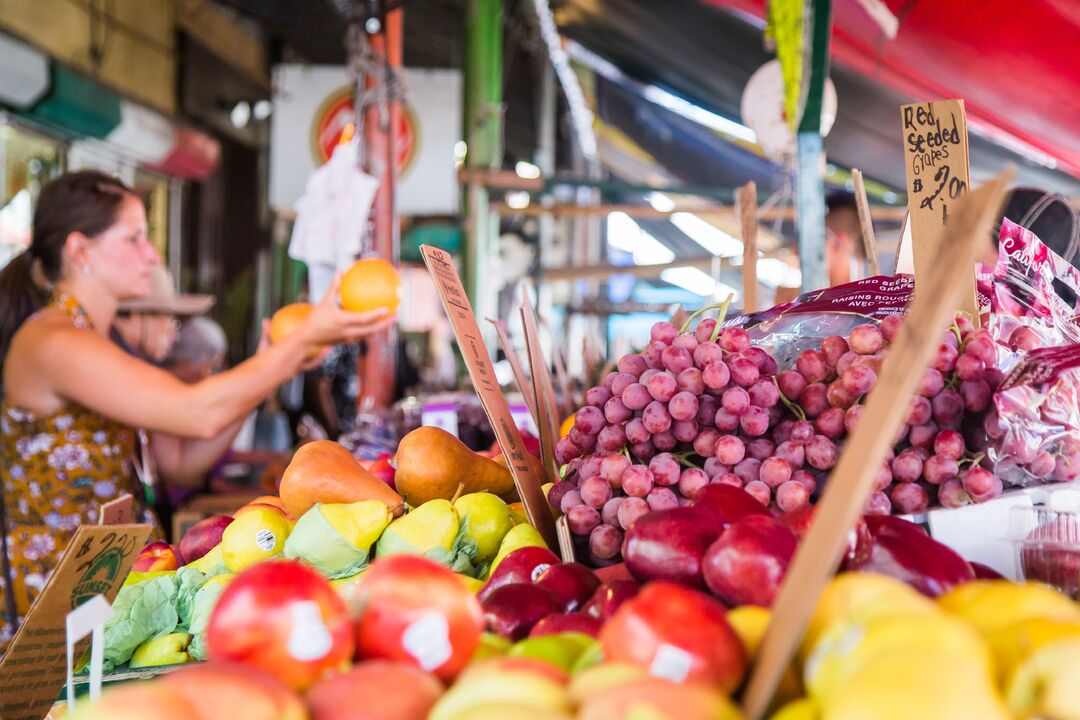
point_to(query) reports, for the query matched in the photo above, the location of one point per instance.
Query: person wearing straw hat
(149, 326)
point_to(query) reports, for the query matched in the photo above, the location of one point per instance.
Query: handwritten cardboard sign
(116, 512)
(34, 669)
(938, 174)
(545, 392)
(462, 319)
(851, 482)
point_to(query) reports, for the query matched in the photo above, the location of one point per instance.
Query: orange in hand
(370, 284)
(287, 319)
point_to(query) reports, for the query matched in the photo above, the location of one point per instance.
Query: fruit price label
(938, 174)
(96, 562)
(459, 310)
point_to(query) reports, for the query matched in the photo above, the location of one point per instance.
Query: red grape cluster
(931, 460)
(708, 407)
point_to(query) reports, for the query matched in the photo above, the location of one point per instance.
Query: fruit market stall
(688, 486)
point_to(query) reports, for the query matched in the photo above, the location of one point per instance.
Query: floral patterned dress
(56, 470)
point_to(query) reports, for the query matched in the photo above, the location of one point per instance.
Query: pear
(519, 536)
(486, 519)
(433, 531)
(168, 649)
(988, 605)
(1047, 684)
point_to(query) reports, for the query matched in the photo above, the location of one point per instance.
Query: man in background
(844, 255)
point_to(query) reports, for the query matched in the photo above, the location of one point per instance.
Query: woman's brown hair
(85, 202)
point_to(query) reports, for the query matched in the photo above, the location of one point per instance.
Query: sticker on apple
(427, 639)
(671, 663)
(309, 638)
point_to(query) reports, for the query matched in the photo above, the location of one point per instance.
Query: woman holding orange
(72, 399)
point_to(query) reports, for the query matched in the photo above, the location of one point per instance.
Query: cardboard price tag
(520, 379)
(116, 512)
(96, 562)
(542, 387)
(746, 198)
(460, 313)
(938, 174)
(851, 482)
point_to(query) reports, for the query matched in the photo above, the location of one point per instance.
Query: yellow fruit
(474, 584)
(848, 646)
(560, 649)
(1047, 684)
(360, 523)
(1014, 644)
(750, 623)
(370, 284)
(429, 530)
(486, 519)
(566, 427)
(219, 580)
(491, 645)
(989, 605)
(137, 577)
(509, 711)
(603, 676)
(168, 649)
(501, 686)
(861, 596)
(520, 536)
(802, 709)
(517, 513)
(253, 537)
(915, 684)
(210, 560)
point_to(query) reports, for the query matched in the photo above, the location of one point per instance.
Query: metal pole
(377, 367)
(483, 135)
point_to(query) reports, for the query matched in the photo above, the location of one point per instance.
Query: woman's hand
(328, 324)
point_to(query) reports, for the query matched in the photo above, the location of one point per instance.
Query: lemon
(988, 605)
(255, 536)
(486, 519)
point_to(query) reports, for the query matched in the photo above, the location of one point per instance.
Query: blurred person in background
(72, 398)
(844, 256)
(199, 351)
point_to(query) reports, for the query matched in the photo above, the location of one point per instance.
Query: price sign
(938, 174)
(462, 319)
(96, 562)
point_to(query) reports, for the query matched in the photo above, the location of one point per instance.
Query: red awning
(1012, 61)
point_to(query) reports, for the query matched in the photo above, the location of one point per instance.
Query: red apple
(676, 633)
(383, 469)
(567, 622)
(419, 612)
(403, 692)
(157, 556)
(203, 536)
(859, 539)
(910, 555)
(283, 618)
(985, 572)
(877, 522)
(728, 502)
(573, 583)
(523, 565)
(608, 597)
(746, 565)
(512, 610)
(669, 545)
(235, 691)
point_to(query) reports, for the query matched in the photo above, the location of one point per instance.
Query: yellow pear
(210, 560)
(501, 686)
(750, 623)
(360, 523)
(1013, 644)
(520, 536)
(988, 605)
(1047, 684)
(915, 684)
(486, 519)
(253, 537)
(848, 646)
(862, 596)
(168, 649)
(603, 676)
(802, 709)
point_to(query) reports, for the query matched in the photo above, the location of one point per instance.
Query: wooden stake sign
(866, 224)
(938, 174)
(96, 562)
(545, 391)
(747, 201)
(851, 482)
(524, 385)
(458, 309)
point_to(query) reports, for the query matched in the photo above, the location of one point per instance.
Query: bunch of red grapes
(708, 407)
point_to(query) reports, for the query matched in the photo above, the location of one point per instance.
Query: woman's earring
(86, 269)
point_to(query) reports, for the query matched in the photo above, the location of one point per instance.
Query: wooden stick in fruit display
(524, 385)
(566, 540)
(463, 321)
(866, 225)
(849, 487)
(678, 317)
(570, 400)
(545, 392)
(747, 201)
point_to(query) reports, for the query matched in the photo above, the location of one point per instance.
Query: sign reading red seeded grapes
(938, 173)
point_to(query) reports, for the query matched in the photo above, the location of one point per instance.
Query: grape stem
(686, 325)
(683, 459)
(562, 471)
(721, 314)
(795, 409)
(971, 461)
